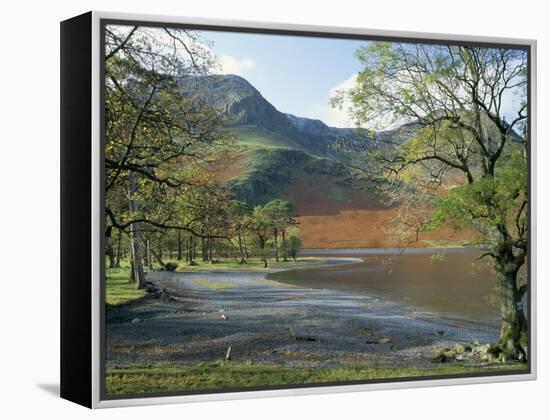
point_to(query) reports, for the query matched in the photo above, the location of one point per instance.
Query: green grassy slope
(254, 137)
(269, 166)
(118, 288)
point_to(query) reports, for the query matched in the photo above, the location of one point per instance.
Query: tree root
(508, 351)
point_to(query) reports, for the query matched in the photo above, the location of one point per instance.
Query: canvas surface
(288, 210)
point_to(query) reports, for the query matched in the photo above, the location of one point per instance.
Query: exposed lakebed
(271, 321)
(453, 283)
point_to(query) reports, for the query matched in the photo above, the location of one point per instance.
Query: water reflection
(451, 282)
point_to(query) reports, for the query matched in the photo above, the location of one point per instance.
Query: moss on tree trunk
(513, 333)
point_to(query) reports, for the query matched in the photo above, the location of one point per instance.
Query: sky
(298, 75)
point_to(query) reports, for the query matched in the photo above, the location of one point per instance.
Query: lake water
(455, 283)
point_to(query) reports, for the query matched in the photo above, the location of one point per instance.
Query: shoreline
(388, 250)
(303, 261)
(270, 322)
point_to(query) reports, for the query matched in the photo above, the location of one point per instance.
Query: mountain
(246, 108)
(304, 161)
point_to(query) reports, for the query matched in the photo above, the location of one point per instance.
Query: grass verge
(162, 378)
(118, 289)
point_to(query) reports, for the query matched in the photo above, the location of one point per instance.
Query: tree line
(162, 150)
(265, 231)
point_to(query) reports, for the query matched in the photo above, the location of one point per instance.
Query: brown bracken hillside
(335, 216)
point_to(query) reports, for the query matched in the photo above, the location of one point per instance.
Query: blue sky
(298, 75)
(295, 74)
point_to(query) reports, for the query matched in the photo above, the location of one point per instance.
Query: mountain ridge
(308, 163)
(243, 104)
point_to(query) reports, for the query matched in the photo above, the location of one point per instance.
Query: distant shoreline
(394, 250)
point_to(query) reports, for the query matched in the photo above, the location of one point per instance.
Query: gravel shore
(204, 313)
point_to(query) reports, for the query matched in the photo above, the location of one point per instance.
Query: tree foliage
(465, 160)
(153, 129)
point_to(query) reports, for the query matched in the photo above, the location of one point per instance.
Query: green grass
(118, 289)
(214, 285)
(155, 379)
(254, 137)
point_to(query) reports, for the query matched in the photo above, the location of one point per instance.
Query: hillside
(306, 162)
(248, 112)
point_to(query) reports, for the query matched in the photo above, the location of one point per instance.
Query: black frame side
(76, 181)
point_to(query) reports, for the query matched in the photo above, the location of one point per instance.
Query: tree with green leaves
(259, 223)
(295, 243)
(154, 132)
(465, 106)
(280, 214)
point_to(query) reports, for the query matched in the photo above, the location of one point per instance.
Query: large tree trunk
(139, 274)
(137, 266)
(110, 252)
(513, 332)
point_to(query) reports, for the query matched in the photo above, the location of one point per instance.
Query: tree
(110, 252)
(138, 273)
(260, 224)
(465, 157)
(204, 208)
(279, 212)
(117, 250)
(180, 245)
(240, 211)
(295, 243)
(154, 131)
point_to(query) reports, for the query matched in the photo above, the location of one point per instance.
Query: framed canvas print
(253, 209)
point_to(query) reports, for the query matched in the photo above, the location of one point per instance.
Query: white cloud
(334, 117)
(233, 65)
(345, 85)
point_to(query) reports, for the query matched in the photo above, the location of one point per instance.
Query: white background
(29, 165)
